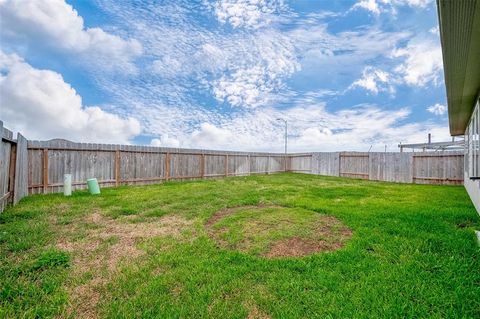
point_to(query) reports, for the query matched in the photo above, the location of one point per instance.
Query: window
(472, 146)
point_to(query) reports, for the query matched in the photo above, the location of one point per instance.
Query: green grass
(413, 252)
(255, 230)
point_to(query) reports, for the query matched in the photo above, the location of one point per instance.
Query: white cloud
(243, 68)
(41, 105)
(313, 136)
(56, 24)
(274, 57)
(378, 6)
(268, 59)
(358, 129)
(165, 141)
(422, 64)
(435, 30)
(250, 87)
(247, 13)
(209, 135)
(343, 55)
(239, 67)
(248, 67)
(370, 5)
(415, 3)
(311, 127)
(437, 109)
(374, 80)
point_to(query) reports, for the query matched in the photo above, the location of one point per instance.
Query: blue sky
(347, 75)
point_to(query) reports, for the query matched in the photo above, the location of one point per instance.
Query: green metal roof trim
(460, 35)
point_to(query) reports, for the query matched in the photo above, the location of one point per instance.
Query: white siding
(472, 157)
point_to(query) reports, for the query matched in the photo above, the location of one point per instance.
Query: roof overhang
(459, 22)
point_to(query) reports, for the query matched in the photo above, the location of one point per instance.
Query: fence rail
(34, 167)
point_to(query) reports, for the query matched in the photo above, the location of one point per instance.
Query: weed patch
(52, 258)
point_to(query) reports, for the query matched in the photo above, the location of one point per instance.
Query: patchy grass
(276, 231)
(148, 251)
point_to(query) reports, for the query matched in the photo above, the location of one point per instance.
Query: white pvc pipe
(67, 184)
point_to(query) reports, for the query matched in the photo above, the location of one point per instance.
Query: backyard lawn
(277, 246)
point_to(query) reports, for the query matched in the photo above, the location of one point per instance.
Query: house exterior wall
(472, 157)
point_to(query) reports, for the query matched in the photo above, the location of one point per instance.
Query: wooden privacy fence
(115, 165)
(13, 168)
(444, 168)
(33, 167)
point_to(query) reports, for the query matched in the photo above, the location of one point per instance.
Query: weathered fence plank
(7, 166)
(21, 170)
(354, 165)
(4, 168)
(438, 168)
(326, 163)
(301, 163)
(45, 170)
(391, 167)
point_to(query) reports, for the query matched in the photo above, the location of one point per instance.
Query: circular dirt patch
(276, 231)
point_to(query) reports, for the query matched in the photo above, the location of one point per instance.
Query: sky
(346, 75)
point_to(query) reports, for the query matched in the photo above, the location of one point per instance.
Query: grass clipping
(275, 231)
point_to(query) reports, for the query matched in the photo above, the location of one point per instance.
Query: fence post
(311, 163)
(249, 165)
(226, 165)
(30, 172)
(368, 161)
(45, 170)
(340, 164)
(202, 166)
(117, 168)
(167, 166)
(268, 164)
(413, 169)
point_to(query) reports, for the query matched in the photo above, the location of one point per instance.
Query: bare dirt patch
(97, 254)
(324, 233)
(256, 313)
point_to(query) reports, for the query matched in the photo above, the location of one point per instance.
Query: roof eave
(459, 23)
